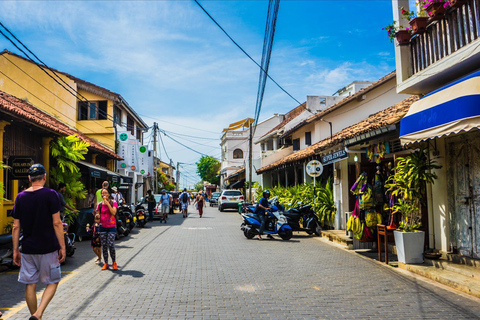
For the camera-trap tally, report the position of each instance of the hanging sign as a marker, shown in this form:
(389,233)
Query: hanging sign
(20,166)
(334,157)
(314,168)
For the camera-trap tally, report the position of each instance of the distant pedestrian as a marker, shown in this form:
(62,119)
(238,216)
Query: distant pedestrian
(117,195)
(37,213)
(165,205)
(151,202)
(184,199)
(108,228)
(62,187)
(98,195)
(94,232)
(90,198)
(200,201)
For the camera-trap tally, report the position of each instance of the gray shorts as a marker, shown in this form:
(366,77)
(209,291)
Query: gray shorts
(165,208)
(43,267)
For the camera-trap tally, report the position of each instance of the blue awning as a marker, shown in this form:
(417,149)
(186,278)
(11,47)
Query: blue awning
(450,109)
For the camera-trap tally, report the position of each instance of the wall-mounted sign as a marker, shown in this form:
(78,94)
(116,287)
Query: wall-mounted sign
(334,157)
(20,166)
(314,168)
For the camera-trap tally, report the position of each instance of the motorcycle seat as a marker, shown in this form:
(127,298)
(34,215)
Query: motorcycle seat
(5,238)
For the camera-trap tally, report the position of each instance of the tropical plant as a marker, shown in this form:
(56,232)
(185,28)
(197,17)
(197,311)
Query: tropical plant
(66,151)
(207,169)
(322,204)
(8,227)
(163,179)
(408,185)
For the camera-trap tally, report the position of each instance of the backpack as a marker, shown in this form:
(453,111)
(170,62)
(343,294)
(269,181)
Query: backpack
(185,197)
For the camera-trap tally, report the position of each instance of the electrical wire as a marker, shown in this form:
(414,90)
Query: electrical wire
(234,42)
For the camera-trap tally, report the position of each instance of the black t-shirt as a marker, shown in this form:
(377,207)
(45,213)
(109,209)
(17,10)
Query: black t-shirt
(34,209)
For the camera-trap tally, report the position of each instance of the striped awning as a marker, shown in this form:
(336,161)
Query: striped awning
(450,109)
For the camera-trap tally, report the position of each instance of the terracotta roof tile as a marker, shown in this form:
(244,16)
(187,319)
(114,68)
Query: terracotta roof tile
(378,120)
(235,172)
(32,114)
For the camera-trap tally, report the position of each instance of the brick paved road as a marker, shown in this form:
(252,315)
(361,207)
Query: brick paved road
(206,269)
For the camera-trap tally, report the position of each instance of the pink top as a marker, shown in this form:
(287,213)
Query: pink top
(106,218)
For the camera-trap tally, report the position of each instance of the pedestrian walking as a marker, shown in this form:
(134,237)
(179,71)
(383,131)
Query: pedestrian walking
(62,187)
(37,213)
(200,201)
(184,202)
(151,202)
(117,195)
(165,205)
(98,195)
(94,232)
(108,228)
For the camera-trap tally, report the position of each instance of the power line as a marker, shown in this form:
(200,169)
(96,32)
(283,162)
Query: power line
(74,93)
(245,51)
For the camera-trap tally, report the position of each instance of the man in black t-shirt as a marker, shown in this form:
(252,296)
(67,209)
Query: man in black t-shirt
(37,213)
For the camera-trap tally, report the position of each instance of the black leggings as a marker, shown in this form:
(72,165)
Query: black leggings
(108,244)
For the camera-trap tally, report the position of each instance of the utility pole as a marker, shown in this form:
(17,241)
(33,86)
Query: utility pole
(177,176)
(250,163)
(155,180)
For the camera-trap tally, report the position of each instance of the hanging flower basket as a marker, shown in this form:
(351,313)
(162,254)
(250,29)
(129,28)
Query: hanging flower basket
(419,25)
(436,10)
(403,37)
(457,3)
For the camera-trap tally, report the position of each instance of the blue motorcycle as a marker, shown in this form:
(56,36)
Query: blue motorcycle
(275,223)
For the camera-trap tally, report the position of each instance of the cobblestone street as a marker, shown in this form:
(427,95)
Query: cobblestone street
(206,269)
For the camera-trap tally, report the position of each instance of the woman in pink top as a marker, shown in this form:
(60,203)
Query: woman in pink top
(108,228)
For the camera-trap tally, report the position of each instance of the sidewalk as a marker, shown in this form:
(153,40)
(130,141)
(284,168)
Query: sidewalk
(458,272)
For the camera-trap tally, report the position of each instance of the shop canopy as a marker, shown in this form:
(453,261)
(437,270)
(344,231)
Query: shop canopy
(450,109)
(238,185)
(100,172)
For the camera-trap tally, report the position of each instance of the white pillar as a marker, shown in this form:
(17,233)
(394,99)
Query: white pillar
(275,143)
(402,53)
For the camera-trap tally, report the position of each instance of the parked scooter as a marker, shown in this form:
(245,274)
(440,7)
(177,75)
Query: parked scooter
(140,216)
(129,216)
(275,223)
(69,237)
(6,250)
(122,217)
(303,218)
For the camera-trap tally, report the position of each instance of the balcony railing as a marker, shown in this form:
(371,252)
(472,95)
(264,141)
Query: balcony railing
(457,29)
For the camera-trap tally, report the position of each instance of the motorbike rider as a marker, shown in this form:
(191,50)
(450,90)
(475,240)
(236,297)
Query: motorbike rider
(262,206)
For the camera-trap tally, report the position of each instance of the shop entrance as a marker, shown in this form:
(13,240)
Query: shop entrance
(464,177)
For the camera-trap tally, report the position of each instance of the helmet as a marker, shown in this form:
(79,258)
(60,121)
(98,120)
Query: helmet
(266,194)
(36,170)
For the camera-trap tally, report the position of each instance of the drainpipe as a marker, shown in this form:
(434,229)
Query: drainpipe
(331,130)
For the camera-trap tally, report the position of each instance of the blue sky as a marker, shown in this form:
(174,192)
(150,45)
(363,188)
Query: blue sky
(174,65)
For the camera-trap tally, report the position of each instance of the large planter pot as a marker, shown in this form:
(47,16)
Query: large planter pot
(419,24)
(403,37)
(409,246)
(436,11)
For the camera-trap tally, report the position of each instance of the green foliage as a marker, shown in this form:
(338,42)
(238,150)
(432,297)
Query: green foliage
(408,184)
(66,151)
(207,169)
(199,186)
(289,197)
(8,227)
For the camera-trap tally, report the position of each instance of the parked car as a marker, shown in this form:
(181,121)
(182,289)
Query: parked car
(214,198)
(229,199)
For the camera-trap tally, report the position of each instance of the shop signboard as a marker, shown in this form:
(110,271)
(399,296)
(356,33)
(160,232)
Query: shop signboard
(145,161)
(334,157)
(128,150)
(20,166)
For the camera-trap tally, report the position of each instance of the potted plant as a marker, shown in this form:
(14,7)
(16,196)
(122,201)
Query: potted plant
(396,32)
(407,185)
(435,8)
(418,21)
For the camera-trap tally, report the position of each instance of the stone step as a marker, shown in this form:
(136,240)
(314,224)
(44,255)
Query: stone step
(463,260)
(466,270)
(454,279)
(338,236)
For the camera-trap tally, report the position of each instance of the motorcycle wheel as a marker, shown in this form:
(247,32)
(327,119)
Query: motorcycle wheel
(318,229)
(248,234)
(285,234)
(141,224)
(126,233)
